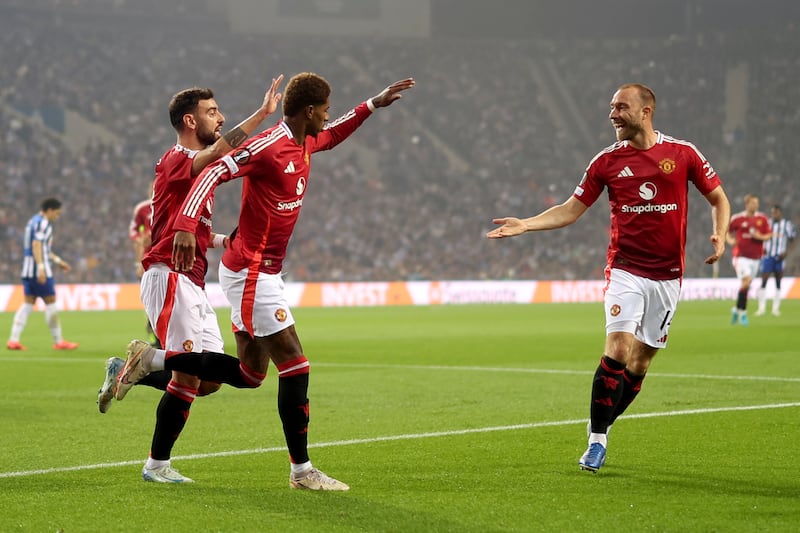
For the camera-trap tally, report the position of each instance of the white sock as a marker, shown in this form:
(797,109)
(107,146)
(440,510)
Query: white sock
(152,464)
(776,302)
(602,438)
(301,468)
(20,319)
(158,360)
(51,316)
(762,299)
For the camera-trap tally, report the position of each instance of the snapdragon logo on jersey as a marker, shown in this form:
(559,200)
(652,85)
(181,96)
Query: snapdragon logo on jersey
(648,192)
(291,206)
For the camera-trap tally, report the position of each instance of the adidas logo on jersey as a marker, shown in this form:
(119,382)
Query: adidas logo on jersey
(289,168)
(625,172)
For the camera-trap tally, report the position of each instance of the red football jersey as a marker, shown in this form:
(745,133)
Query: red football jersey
(141,223)
(275,170)
(742,226)
(648,196)
(172,184)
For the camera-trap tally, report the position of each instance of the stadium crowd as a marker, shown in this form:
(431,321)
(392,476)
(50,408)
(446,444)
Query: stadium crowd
(493,128)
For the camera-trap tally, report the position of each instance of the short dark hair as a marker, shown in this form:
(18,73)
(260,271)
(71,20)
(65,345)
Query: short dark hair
(51,203)
(186,101)
(304,89)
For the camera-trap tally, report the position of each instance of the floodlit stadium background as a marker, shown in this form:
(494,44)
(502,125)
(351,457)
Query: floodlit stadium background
(511,104)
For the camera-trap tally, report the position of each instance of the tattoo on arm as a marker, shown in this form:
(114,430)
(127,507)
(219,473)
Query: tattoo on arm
(235,137)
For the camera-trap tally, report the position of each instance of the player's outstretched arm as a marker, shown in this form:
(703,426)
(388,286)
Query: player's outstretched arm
(720,218)
(557,216)
(392,93)
(241,132)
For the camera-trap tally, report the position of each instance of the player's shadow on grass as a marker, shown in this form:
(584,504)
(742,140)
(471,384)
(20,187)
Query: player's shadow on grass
(704,483)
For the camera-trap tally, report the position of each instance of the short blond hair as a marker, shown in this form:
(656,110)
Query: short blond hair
(646,94)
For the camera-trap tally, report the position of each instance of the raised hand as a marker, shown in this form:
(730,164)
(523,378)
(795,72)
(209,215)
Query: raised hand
(387,96)
(272,96)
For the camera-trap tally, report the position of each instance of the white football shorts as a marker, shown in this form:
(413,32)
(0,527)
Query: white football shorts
(180,312)
(641,306)
(257,302)
(746,267)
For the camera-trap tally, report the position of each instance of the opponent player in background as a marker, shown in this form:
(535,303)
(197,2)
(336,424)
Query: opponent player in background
(776,249)
(747,233)
(646,174)
(275,166)
(37,276)
(175,301)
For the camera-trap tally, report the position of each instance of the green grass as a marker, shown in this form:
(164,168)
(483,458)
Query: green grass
(445,418)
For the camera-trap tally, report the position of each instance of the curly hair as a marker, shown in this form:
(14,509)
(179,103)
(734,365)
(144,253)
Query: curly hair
(304,89)
(186,101)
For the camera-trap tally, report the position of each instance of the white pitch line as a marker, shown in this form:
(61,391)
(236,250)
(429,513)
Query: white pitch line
(452,368)
(408,436)
(551,371)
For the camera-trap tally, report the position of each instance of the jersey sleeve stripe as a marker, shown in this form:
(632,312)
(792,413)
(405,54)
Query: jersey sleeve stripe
(195,201)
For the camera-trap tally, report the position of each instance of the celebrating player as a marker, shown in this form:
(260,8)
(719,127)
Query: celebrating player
(275,166)
(175,299)
(646,174)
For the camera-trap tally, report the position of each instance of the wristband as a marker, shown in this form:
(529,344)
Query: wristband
(218,241)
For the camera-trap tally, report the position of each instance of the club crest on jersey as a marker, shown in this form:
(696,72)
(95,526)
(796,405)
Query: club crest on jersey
(188,345)
(301,186)
(280,315)
(667,165)
(241,156)
(615,309)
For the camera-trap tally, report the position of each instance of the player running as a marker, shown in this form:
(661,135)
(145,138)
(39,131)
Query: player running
(646,174)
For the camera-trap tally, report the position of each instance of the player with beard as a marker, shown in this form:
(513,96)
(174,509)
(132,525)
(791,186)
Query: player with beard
(174,298)
(646,174)
(275,166)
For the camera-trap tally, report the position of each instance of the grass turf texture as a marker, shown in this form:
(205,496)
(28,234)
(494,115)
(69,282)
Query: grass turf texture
(446,418)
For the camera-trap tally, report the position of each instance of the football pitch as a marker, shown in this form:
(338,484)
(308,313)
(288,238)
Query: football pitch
(442,418)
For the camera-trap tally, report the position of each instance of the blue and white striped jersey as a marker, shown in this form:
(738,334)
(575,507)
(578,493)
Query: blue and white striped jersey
(783,233)
(37,229)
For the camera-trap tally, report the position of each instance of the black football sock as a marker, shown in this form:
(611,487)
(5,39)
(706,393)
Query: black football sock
(606,392)
(741,300)
(293,410)
(171,416)
(158,379)
(632,384)
(216,367)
